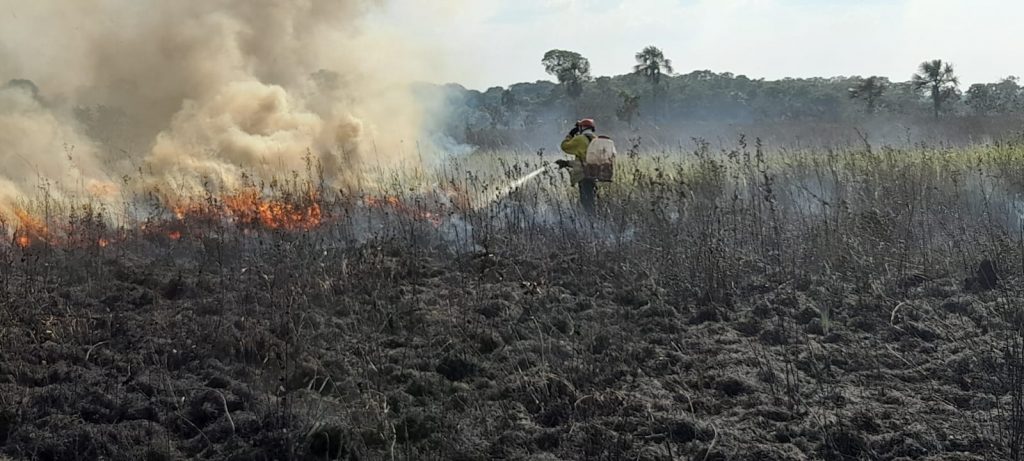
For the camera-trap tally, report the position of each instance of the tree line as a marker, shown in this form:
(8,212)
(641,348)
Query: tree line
(652,93)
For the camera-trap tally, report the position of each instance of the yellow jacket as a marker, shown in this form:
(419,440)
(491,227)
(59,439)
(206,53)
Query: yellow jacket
(576,146)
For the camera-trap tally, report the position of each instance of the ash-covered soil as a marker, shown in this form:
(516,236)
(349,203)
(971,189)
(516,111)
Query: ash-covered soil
(287,349)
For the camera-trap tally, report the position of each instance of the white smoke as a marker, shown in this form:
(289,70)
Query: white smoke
(39,147)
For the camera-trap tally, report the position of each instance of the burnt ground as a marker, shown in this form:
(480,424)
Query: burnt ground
(290,350)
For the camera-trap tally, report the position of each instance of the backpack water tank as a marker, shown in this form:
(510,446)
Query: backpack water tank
(600,159)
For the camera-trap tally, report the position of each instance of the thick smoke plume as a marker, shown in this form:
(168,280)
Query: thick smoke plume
(192,95)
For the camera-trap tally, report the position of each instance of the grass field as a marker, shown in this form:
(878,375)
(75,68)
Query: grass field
(740,304)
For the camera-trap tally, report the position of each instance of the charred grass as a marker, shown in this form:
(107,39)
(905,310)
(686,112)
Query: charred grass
(856,303)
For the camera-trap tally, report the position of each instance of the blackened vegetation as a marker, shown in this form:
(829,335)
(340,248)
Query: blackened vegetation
(985,278)
(307,365)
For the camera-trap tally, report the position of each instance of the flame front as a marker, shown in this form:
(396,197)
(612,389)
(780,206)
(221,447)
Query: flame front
(250,208)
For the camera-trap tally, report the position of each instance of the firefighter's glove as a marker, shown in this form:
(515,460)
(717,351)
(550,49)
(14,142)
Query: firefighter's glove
(574,131)
(563,163)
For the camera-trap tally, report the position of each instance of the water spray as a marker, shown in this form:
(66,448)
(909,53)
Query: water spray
(491,197)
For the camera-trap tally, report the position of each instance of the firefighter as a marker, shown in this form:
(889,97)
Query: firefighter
(576,144)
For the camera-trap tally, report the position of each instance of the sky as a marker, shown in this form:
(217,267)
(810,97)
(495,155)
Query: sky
(484,43)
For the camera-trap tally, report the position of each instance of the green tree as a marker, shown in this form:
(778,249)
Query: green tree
(981,99)
(1009,95)
(508,100)
(938,81)
(869,90)
(629,108)
(1005,97)
(570,68)
(496,114)
(510,106)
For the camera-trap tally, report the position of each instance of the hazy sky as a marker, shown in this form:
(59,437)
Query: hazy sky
(482,43)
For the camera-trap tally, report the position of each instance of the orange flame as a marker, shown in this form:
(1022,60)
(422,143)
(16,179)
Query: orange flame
(404,209)
(248,207)
(30,229)
(379,202)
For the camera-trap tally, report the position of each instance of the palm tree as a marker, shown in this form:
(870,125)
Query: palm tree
(870,90)
(938,80)
(652,64)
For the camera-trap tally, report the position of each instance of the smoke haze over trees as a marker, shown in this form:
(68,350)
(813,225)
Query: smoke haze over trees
(657,105)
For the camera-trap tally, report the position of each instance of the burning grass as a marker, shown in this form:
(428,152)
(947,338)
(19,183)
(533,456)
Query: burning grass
(30,228)
(249,208)
(246,210)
